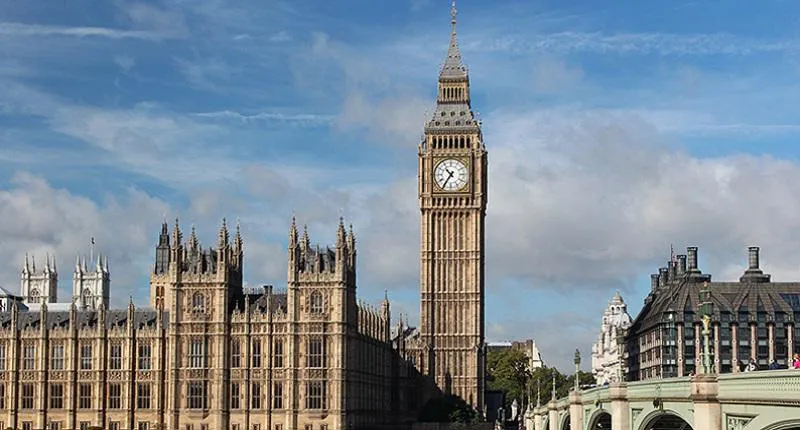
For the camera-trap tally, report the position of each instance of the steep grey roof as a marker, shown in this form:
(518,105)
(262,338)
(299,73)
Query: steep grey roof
(452,116)
(276,301)
(56,319)
(6,293)
(453,68)
(683,297)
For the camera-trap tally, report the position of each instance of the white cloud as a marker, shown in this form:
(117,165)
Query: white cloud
(39,218)
(301,119)
(553,75)
(281,36)
(166,22)
(29,30)
(125,62)
(631,43)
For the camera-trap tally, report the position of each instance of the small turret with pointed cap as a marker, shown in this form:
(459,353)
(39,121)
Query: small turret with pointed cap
(305,241)
(163,238)
(341,235)
(26,267)
(223,236)
(194,244)
(177,236)
(293,233)
(238,243)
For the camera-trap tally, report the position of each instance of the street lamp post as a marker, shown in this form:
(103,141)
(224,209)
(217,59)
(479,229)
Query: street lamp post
(577,369)
(706,308)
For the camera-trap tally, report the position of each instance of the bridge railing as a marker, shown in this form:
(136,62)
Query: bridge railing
(768,386)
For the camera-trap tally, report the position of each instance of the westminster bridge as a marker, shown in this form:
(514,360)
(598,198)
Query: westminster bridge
(761,400)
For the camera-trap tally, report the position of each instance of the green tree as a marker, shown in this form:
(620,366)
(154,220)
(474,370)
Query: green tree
(507,371)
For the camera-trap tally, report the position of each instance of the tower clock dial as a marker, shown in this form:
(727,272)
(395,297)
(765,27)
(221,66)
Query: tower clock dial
(451,175)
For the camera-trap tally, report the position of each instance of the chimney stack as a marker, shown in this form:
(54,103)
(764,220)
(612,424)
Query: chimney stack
(692,259)
(663,276)
(753,258)
(753,272)
(681,265)
(653,282)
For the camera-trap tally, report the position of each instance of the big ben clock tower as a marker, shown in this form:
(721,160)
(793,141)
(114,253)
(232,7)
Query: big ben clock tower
(452,197)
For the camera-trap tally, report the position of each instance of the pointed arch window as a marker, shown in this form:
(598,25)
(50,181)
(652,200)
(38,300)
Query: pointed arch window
(86,297)
(236,354)
(198,302)
(34,295)
(316,305)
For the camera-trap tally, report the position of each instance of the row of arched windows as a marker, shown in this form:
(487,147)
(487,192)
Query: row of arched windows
(451,142)
(451,94)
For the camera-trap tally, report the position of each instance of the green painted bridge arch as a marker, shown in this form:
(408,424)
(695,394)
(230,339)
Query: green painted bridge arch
(765,400)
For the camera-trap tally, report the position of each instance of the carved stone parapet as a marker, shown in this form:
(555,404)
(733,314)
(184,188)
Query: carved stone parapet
(115,375)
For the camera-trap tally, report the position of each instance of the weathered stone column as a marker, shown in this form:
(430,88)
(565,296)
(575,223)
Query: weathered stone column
(538,416)
(553,419)
(707,410)
(620,412)
(575,410)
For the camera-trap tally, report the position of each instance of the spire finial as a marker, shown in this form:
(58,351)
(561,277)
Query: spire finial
(453,14)
(452,67)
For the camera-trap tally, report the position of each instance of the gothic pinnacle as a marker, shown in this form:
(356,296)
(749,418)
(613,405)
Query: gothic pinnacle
(177,237)
(223,237)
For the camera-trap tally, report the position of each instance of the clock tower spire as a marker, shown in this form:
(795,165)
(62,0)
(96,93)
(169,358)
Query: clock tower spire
(452,197)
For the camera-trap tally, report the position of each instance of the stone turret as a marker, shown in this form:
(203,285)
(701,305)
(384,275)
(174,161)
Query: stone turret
(39,286)
(605,352)
(91,288)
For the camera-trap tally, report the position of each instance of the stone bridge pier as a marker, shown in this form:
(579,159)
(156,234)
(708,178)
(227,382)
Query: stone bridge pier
(765,400)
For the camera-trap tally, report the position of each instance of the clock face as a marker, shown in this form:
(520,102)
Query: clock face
(451,175)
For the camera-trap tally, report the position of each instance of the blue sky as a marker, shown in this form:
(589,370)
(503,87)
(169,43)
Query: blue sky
(614,130)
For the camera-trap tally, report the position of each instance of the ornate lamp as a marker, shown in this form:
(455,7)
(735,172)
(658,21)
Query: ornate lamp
(706,310)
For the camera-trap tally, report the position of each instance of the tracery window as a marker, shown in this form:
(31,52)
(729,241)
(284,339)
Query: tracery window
(114,396)
(145,354)
(56,396)
(115,357)
(86,357)
(196,395)
(236,354)
(28,357)
(57,357)
(315,355)
(255,395)
(315,395)
(316,303)
(197,353)
(277,353)
(255,354)
(198,302)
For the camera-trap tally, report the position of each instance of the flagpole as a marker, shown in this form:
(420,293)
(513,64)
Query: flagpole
(91,251)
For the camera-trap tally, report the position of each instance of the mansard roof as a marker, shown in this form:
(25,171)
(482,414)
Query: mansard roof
(83,319)
(683,297)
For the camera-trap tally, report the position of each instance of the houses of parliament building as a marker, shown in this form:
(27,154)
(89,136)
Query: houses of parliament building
(209,354)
